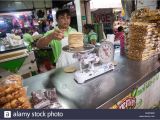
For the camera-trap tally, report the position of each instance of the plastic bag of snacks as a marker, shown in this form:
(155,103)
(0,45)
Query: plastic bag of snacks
(46,99)
(13,94)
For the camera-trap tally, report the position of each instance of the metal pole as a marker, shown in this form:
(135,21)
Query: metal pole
(85,7)
(78,13)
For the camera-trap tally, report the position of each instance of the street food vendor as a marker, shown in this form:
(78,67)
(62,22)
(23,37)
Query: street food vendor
(28,39)
(58,37)
(90,35)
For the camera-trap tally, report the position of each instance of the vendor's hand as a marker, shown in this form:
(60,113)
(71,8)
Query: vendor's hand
(58,34)
(93,42)
(63,30)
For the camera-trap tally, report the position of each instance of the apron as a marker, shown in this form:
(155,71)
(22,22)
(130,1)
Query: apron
(65,58)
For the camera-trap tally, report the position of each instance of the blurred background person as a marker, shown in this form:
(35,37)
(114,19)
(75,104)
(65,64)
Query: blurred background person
(90,35)
(119,38)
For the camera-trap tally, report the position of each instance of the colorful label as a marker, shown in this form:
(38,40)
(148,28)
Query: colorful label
(138,99)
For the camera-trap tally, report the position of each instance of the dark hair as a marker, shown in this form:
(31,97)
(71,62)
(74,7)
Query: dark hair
(61,12)
(25,30)
(88,27)
(35,29)
(120,29)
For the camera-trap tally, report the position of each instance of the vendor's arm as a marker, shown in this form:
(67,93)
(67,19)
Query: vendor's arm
(93,39)
(54,35)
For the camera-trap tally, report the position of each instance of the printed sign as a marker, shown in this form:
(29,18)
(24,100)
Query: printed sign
(129,102)
(83,17)
(104,16)
(138,99)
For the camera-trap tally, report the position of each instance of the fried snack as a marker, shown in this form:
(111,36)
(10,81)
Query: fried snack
(7,106)
(25,105)
(19,103)
(15,103)
(6,99)
(145,14)
(22,99)
(10,84)
(14,79)
(8,89)
(143,36)
(12,94)
(16,94)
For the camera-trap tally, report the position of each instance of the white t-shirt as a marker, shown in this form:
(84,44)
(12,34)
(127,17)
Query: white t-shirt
(35,33)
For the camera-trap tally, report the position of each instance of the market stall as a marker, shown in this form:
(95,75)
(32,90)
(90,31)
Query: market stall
(125,87)
(106,91)
(101,92)
(101,78)
(18,61)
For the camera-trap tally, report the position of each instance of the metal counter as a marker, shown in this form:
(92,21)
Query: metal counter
(100,92)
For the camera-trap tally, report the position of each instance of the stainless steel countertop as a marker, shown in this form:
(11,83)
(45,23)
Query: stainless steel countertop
(100,92)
